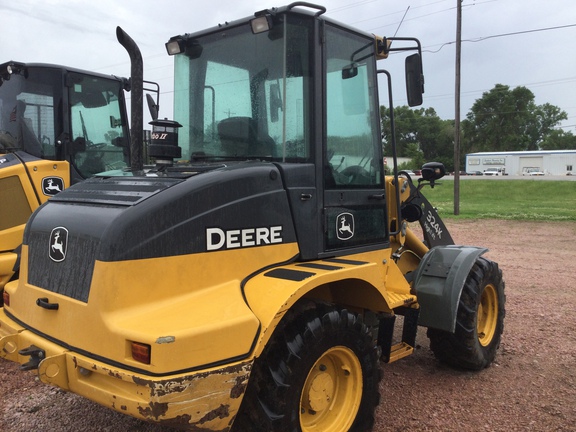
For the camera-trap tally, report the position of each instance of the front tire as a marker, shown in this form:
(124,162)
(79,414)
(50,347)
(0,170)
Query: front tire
(479,321)
(319,372)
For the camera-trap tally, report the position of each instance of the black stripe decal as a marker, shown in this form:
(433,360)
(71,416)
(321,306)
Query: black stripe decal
(288,274)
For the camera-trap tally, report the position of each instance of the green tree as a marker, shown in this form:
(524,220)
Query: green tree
(405,136)
(420,135)
(509,120)
(558,139)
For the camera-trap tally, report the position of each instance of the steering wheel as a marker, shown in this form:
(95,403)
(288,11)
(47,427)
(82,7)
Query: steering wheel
(355,172)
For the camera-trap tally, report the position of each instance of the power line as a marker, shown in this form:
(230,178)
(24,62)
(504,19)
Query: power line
(521,32)
(480,39)
(419,16)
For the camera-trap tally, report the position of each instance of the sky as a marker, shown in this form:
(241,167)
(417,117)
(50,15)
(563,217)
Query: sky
(530,43)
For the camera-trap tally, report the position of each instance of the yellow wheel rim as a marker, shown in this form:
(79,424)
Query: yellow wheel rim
(332,392)
(487,315)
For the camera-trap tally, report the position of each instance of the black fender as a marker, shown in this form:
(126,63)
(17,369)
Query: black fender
(438,282)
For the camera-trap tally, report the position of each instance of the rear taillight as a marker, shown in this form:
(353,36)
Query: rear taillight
(6,298)
(141,352)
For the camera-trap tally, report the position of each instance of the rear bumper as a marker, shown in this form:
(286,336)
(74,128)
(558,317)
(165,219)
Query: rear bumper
(201,400)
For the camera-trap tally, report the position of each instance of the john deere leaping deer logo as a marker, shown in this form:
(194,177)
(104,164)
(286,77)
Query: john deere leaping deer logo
(58,244)
(52,185)
(345,226)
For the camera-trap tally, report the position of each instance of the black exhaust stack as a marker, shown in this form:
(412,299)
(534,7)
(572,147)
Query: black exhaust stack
(137,100)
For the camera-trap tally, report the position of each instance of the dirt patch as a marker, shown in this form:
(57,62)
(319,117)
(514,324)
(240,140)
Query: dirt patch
(530,387)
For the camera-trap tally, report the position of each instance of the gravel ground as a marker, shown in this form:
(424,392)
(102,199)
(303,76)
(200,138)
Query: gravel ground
(530,387)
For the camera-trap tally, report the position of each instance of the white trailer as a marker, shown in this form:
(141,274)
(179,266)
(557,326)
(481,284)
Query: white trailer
(550,162)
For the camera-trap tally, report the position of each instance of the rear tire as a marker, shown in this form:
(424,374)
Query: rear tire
(479,321)
(319,372)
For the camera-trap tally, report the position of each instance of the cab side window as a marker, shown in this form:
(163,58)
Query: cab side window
(352,145)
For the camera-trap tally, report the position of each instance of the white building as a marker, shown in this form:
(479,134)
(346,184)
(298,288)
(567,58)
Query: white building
(551,162)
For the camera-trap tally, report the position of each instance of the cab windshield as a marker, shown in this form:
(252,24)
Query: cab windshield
(241,95)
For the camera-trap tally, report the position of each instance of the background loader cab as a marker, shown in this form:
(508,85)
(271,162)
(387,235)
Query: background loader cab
(64,114)
(58,126)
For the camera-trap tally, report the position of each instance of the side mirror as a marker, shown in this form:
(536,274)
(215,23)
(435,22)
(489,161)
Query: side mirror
(433,171)
(414,80)
(152,106)
(350,71)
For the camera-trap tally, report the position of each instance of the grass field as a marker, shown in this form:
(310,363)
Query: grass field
(506,199)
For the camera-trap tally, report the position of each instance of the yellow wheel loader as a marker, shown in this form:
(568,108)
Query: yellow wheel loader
(59,126)
(251,280)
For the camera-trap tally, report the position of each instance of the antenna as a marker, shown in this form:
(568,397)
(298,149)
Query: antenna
(401,21)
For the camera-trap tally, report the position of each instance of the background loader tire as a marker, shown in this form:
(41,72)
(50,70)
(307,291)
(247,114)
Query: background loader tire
(479,321)
(319,372)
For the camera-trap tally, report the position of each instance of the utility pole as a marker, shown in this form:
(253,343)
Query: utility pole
(457,109)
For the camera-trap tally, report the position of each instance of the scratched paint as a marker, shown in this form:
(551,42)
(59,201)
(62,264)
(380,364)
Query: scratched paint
(166,339)
(207,401)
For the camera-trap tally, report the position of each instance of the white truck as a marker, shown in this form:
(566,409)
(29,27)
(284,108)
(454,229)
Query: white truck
(532,171)
(494,171)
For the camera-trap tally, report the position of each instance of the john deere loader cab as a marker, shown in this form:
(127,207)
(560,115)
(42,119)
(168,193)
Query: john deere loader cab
(58,126)
(271,92)
(254,284)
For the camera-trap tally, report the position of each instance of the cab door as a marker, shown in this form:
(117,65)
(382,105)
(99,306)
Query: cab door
(354,205)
